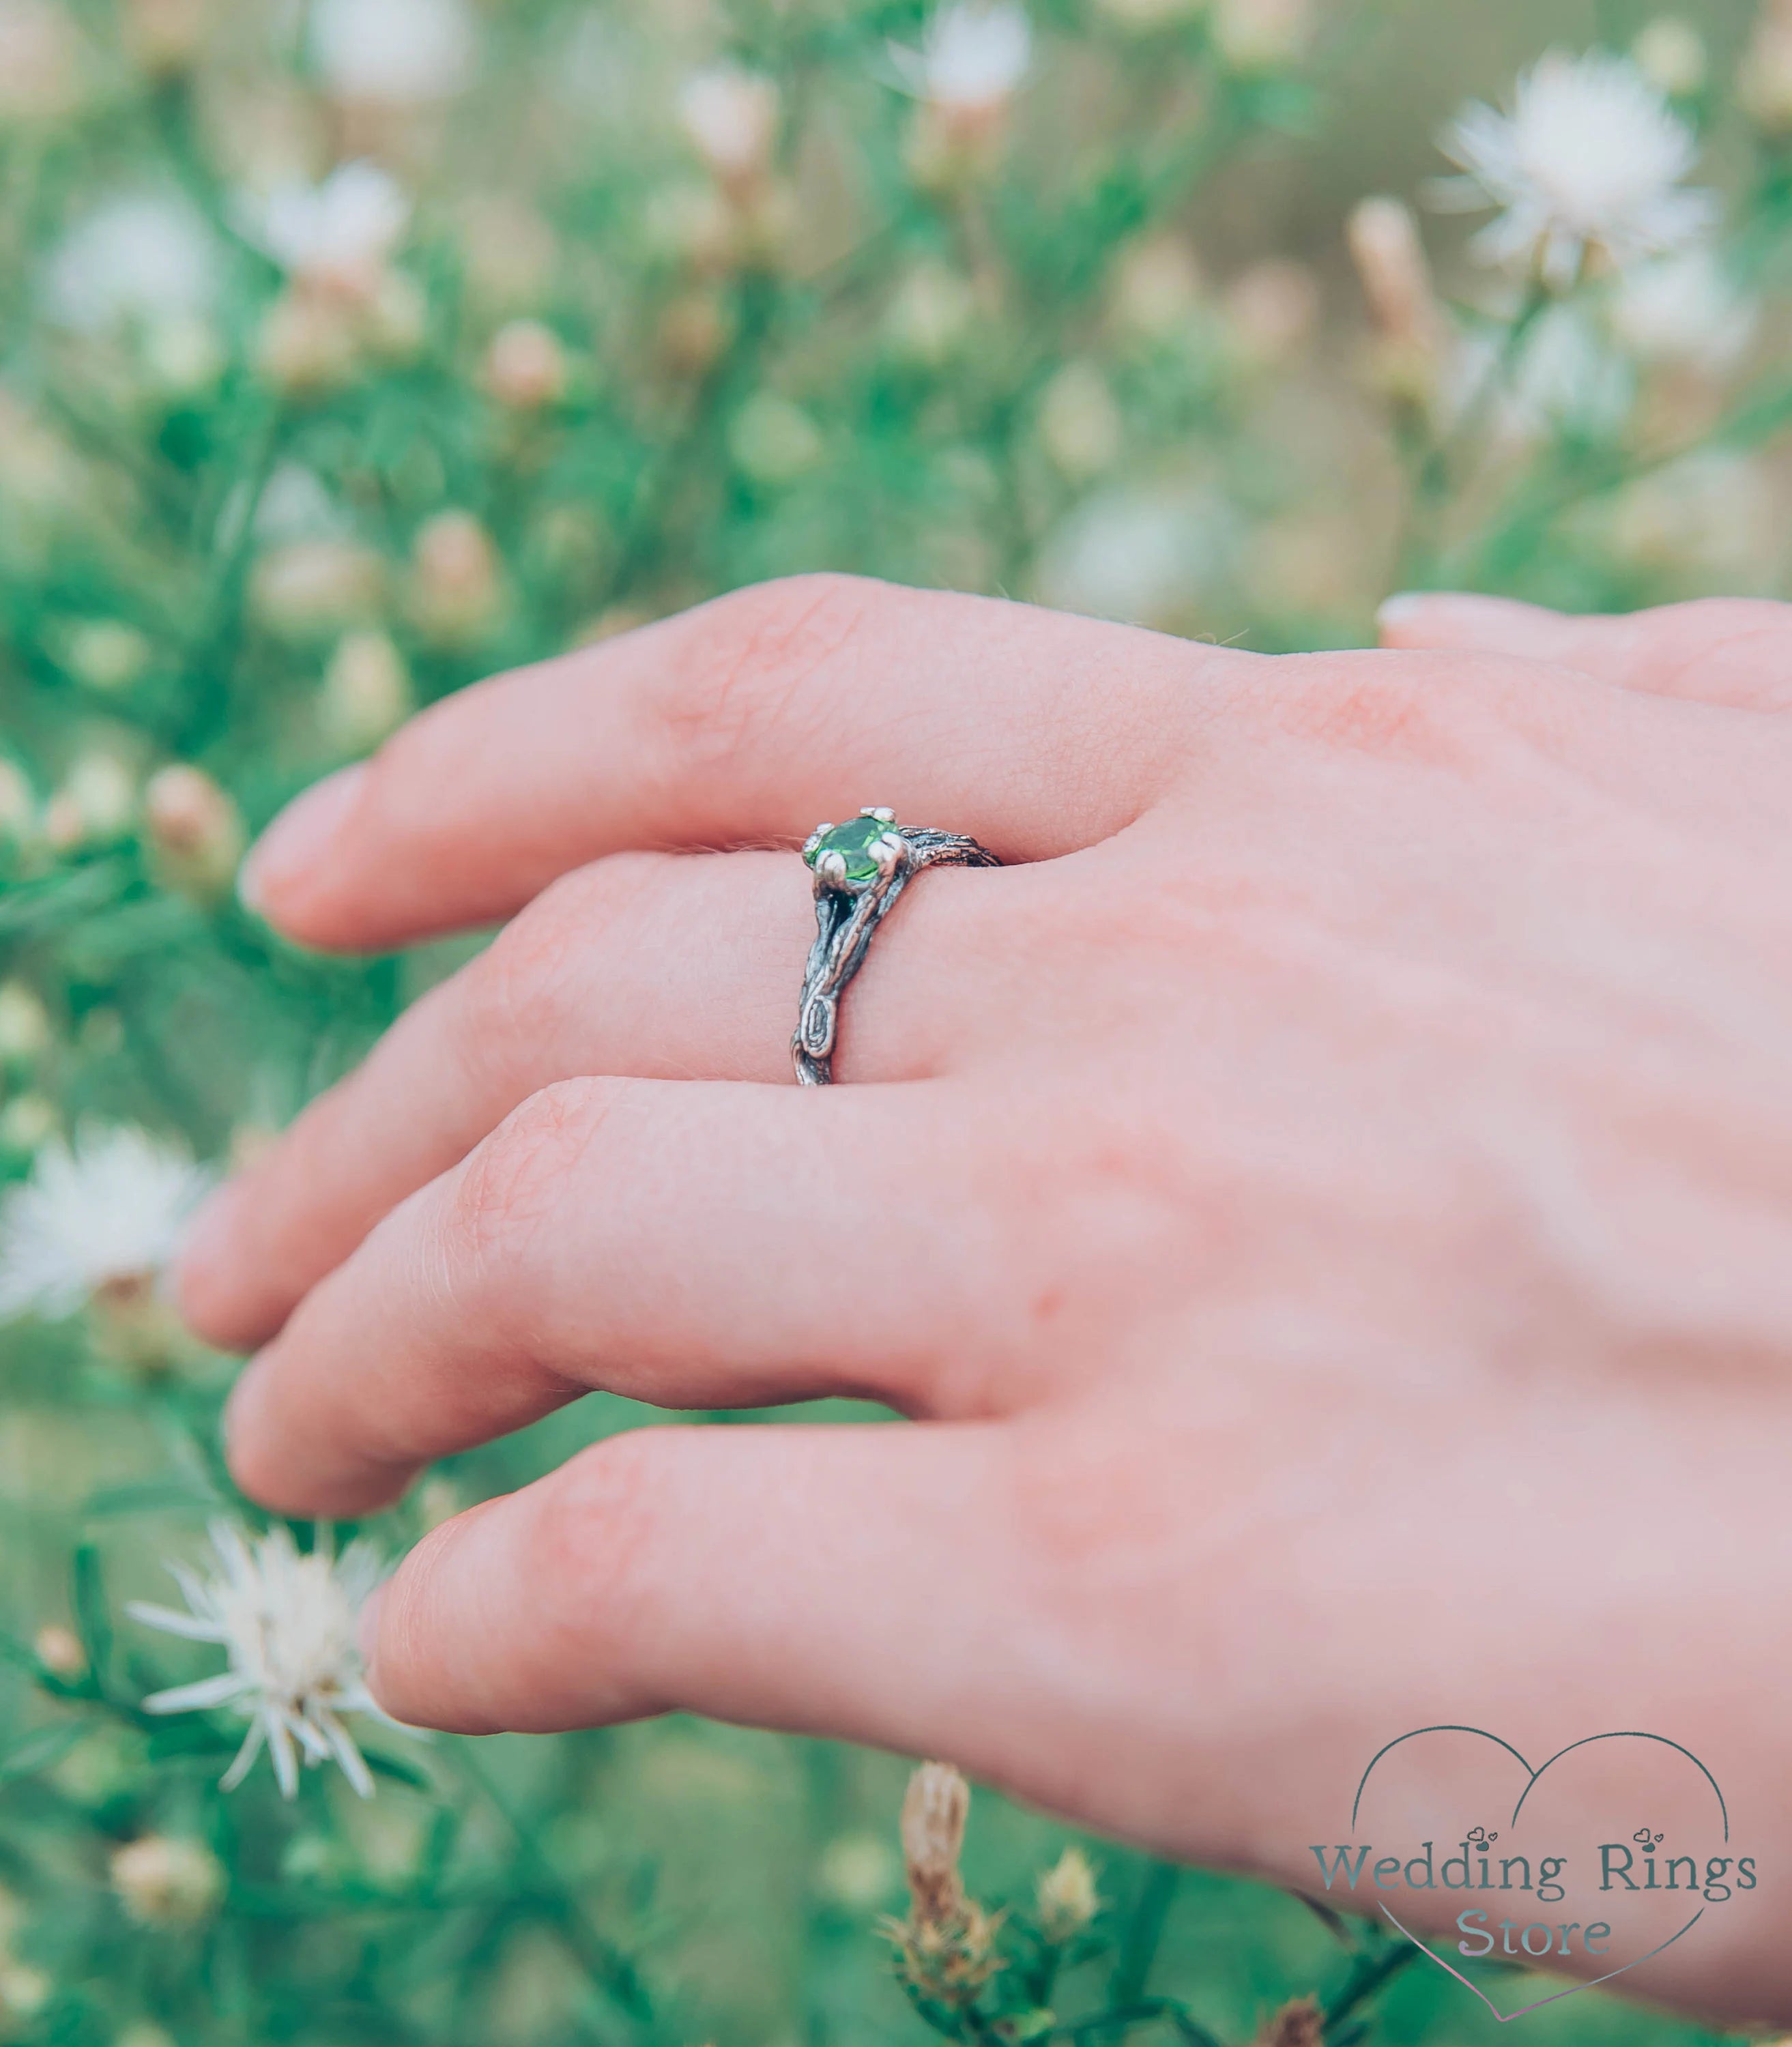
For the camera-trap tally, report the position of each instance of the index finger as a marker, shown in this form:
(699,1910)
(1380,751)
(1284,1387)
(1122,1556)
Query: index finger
(747,720)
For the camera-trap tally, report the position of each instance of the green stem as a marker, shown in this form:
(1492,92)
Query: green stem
(1144,1930)
(599,1957)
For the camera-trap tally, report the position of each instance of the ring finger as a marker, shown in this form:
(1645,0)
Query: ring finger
(659,966)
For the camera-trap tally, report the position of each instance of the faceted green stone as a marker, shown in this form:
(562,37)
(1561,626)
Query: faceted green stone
(853,841)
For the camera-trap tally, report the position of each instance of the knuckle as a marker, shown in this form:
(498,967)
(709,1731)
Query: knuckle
(598,1521)
(1428,710)
(753,659)
(530,987)
(511,1185)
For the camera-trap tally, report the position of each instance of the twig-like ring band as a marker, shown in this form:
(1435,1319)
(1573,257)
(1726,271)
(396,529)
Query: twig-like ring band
(860,868)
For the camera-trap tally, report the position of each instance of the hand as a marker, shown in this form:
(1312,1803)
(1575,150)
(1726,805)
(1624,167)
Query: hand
(1327,1203)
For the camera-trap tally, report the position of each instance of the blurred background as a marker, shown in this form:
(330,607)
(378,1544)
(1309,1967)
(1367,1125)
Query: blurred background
(351,350)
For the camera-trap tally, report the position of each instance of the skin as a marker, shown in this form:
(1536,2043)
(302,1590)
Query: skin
(1325,1207)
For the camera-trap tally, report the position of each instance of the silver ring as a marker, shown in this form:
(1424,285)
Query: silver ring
(860,869)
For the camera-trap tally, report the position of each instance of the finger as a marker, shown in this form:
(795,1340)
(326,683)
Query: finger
(1727,651)
(749,719)
(691,1244)
(650,965)
(822,1580)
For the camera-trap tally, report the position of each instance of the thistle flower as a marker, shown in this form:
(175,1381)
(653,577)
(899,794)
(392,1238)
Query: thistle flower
(338,235)
(287,1623)
(946,1948)
(99,1218)
(1588,164)
(972,57)
(1301,2024)
(1067,1898)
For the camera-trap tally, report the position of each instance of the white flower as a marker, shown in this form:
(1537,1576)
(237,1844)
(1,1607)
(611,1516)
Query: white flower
(140,259)
(403,52)
(971,58)
(731,118)
(341,232)
(1684,308)
(1589,161)
(106,1212)
(1142,555)
(288,1622)
(1565,377)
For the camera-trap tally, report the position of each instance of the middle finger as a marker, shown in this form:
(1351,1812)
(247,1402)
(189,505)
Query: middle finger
(653,966)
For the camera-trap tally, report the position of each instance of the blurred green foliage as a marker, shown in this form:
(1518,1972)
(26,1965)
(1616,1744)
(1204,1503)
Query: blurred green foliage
(1095,343)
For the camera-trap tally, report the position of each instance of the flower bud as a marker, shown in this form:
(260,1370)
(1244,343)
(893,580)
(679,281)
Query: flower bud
(931,313)
(1156,286)
(1396,279)
(730,116)
(195,831)
(934,1810)
(772,440)
(24,1990)
(1068,1899)
(1671,54)
(40,61)
(1301,2024)
(1262,35)
(857,1872)
(1272,307)
(310,342)
(104,653)
(313,589)
(25,1024)
(456,589)
(27,1121)
(1764,83)
(525,366)
(165,36)
(693,330)
(1079,423)
(366,692)
(59,1650)
(96,804)
(167,1880)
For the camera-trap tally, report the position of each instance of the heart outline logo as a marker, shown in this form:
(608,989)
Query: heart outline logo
(1533,1777)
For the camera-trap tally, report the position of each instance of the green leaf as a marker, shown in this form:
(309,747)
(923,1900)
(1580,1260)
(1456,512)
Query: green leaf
(93,1620)
(39,1750)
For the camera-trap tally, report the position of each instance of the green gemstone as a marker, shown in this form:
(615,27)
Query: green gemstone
(853,841)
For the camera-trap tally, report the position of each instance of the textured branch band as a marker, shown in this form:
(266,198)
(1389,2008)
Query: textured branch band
(860,868)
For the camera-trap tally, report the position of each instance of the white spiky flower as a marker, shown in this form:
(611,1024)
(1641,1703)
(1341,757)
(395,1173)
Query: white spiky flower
(341,232)
(139,259)
(288,1622)
(101,1215)
(398,52)
(972,56)
(1589,162)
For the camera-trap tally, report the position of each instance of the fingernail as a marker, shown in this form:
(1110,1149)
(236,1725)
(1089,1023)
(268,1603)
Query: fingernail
(1400,610)
(299,838)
